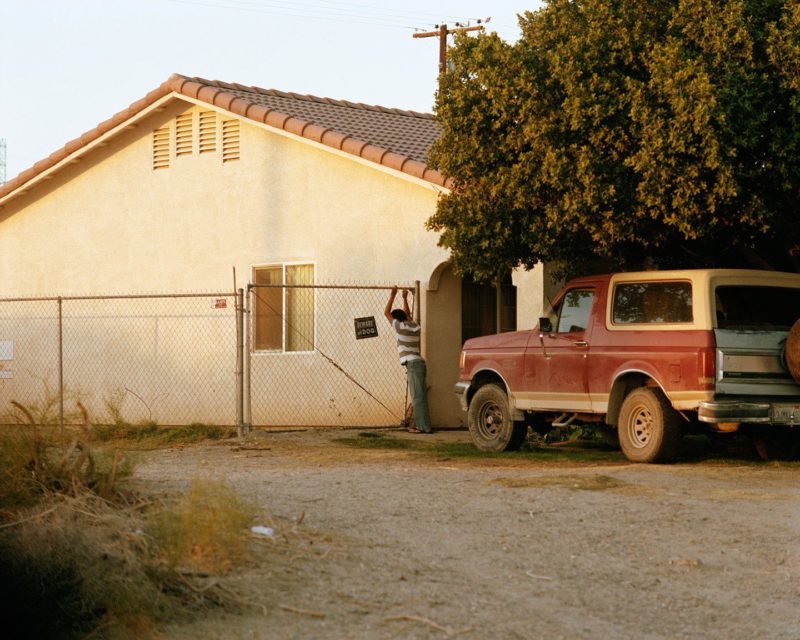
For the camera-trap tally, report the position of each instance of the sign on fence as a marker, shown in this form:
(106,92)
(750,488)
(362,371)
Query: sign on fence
(366,328)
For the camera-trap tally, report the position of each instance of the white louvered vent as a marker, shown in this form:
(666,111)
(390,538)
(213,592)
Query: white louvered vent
(208,132)
(183,134)
(230,140)
(161,148)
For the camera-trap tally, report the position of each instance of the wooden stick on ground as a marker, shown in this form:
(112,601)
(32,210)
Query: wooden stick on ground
(430,623)
(302,612)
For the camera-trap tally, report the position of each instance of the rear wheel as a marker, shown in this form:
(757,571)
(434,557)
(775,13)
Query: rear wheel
(649,428)
(490,423)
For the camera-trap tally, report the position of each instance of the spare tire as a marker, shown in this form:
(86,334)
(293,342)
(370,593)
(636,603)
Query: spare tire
(792,351)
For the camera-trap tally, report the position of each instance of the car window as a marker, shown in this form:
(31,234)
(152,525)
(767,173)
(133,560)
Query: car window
(747,307)
(652,302)
(573,311)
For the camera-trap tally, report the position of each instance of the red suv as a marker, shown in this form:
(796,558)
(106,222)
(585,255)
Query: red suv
(645,354)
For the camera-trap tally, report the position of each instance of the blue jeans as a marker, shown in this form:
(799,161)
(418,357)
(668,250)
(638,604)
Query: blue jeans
(416,370)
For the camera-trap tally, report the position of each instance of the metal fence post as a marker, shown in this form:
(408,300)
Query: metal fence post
(60,366)
(417,302)
(248,406)
(240,362)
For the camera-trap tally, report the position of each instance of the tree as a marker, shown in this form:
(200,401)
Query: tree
(664,132)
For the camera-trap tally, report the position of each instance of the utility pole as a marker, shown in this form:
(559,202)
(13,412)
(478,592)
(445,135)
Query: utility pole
(2,161)
(442,32)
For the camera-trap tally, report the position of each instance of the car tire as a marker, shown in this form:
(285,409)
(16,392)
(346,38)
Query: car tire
(649,428)
(490,423)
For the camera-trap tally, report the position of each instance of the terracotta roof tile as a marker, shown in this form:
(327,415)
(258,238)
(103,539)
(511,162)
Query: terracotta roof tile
(392,137)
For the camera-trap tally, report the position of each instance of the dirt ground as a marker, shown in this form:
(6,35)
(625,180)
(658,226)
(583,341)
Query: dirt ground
(381,543)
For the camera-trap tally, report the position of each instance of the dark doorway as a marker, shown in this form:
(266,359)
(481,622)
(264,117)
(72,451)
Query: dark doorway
(486,308)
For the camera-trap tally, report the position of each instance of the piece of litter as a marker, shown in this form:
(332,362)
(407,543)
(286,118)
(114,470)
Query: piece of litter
(263,531)
(684,562)
(530,574)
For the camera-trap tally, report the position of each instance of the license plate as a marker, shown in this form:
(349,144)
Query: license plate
(786,413)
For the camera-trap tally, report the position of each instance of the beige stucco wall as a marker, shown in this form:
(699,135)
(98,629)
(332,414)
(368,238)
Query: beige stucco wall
(111,224)
(443,325)
(534,290)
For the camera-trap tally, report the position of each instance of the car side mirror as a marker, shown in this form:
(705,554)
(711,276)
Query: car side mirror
(545,326)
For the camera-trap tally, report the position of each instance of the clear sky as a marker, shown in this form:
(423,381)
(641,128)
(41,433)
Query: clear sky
(67,65)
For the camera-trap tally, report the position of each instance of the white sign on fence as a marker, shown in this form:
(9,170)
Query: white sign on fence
(6,354)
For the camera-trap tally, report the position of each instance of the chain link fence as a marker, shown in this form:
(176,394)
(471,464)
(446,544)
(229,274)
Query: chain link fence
(169,359)
(283,356)
(322,355)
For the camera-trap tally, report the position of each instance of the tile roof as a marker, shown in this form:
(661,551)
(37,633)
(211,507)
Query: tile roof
(391,137)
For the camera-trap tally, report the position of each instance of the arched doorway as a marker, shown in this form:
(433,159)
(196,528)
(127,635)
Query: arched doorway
(455,310)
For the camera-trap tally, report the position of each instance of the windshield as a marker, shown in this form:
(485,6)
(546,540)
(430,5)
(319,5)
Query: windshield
(744,307)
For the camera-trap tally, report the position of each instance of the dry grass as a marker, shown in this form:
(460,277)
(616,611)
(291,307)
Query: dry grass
(206,531)
(83,553)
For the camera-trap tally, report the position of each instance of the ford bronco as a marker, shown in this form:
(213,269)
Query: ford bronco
(647,354)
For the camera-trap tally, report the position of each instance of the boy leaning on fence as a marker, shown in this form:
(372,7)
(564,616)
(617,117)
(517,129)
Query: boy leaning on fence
(408,346)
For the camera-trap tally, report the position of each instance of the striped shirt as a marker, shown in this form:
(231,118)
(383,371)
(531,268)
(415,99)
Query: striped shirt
(408,334)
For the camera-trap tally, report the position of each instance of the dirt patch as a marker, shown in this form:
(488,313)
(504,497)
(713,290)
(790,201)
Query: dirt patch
(576,483)
(417,541)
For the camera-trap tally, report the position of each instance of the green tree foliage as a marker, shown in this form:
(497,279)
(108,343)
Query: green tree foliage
(664,132)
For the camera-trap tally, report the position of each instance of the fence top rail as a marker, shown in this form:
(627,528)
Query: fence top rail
(138,296)
(329,286)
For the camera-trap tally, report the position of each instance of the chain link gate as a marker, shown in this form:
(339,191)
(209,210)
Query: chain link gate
(171,359)
(322,355)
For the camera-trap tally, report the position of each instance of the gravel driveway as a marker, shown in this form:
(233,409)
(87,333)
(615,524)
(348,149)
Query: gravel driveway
(390,543)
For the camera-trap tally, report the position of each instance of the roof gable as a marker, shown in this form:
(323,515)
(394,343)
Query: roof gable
(390,137)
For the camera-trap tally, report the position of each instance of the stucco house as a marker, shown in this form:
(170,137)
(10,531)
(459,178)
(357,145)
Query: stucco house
(199,177)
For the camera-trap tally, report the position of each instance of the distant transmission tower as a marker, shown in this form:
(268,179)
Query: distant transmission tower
(2,160)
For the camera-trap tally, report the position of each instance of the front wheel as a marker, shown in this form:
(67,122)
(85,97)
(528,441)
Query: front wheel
(490,423)
(649,428)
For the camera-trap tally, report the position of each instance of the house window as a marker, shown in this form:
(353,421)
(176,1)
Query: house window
(284,311)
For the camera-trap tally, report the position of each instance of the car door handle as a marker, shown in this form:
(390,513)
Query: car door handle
(581,343)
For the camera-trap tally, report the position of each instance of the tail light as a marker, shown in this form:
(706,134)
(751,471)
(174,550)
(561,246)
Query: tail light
(706,367)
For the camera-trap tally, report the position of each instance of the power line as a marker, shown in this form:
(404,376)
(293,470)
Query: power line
(351,12)
(298,12)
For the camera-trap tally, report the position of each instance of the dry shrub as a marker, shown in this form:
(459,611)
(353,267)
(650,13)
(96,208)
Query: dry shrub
(76,554)
(207,529)
(76,567)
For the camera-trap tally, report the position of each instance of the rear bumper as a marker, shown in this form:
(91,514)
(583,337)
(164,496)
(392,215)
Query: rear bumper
(749,412)
(733,411)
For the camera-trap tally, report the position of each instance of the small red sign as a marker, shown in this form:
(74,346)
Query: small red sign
(220,303)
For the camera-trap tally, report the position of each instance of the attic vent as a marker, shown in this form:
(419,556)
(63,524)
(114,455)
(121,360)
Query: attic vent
(208,132)
(230,140)
(161,148)
(183,135)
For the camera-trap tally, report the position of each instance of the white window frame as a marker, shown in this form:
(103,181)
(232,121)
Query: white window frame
(283,266)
